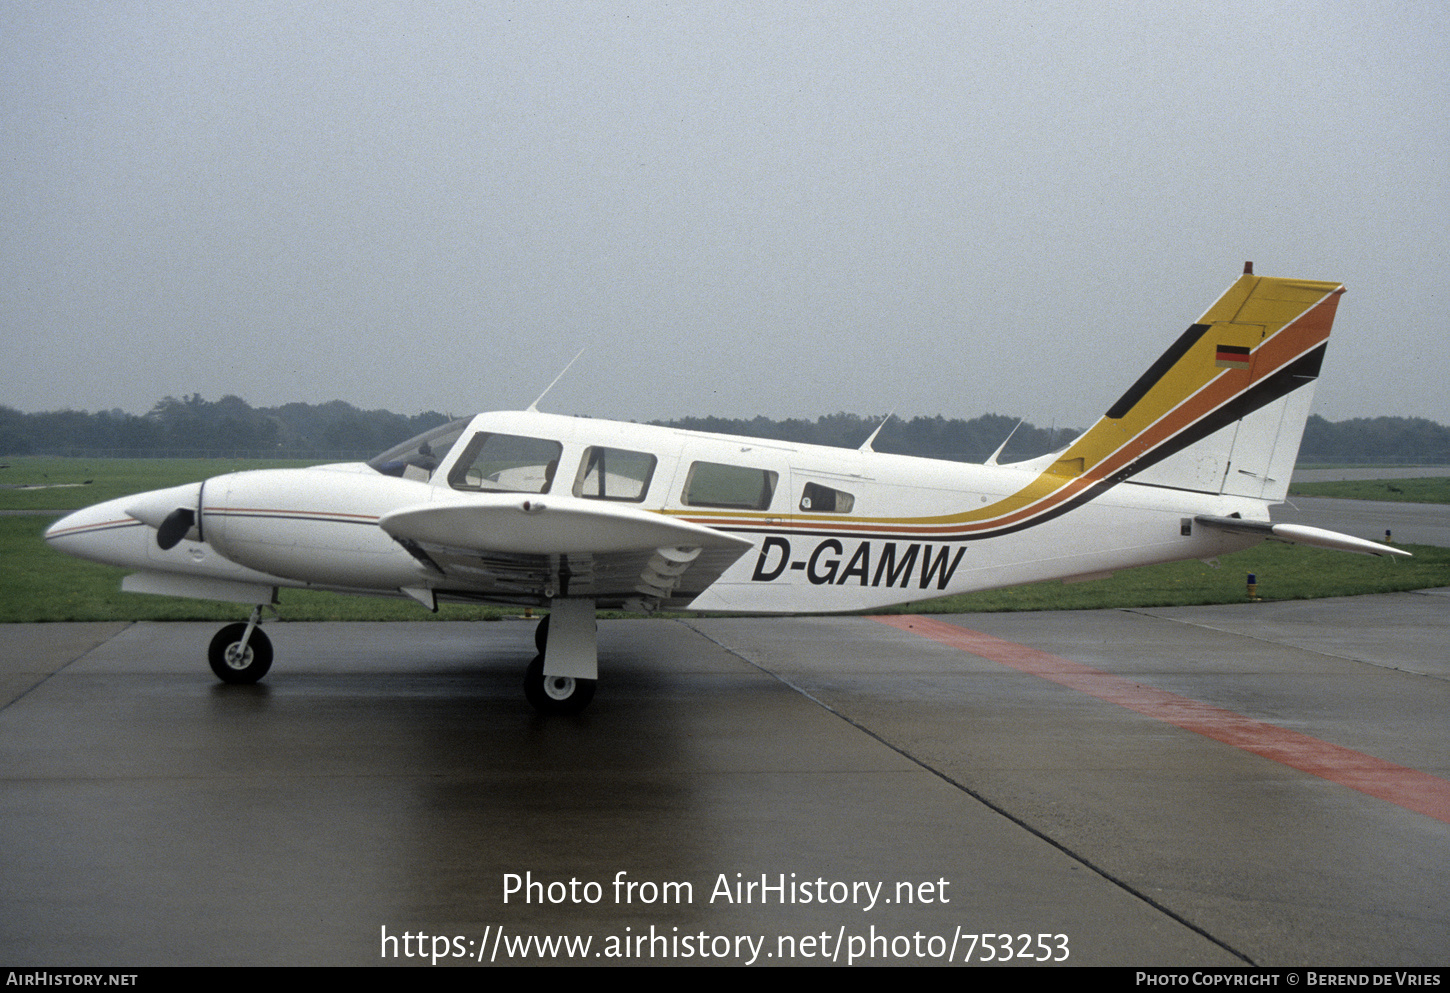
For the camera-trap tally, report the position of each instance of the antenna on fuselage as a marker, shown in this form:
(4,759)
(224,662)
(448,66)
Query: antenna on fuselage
(534,407)
(866,445)
(992,459)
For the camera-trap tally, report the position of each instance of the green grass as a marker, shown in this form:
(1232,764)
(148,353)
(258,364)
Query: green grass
(69,484)
(1432,490)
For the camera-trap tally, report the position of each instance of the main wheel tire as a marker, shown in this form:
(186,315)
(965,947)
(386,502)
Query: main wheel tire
(556,694)
(236,662)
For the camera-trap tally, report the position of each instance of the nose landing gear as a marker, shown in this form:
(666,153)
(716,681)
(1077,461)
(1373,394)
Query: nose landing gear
(241,653)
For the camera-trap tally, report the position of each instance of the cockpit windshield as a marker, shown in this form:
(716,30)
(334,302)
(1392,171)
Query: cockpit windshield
(417,457)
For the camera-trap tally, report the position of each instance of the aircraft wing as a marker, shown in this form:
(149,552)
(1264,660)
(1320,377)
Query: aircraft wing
(518,548)
(1300,534)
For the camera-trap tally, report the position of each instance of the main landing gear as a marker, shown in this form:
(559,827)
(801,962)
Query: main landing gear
(241,653)
(562,677)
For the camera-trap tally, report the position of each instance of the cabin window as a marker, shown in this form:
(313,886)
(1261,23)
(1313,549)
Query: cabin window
(711,484)
(506,463)
(614,474)
(417,457)
(818,499)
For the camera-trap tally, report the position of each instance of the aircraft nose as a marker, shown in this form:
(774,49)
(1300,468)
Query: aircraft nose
(102,533)
(65,525)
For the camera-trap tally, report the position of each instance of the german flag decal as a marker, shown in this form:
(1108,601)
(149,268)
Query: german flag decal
(1231,357)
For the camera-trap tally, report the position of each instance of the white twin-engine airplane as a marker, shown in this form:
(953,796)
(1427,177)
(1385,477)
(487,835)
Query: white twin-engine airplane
(574,514)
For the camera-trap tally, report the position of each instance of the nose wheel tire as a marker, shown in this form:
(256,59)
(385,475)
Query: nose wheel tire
(235,661)
(556,694)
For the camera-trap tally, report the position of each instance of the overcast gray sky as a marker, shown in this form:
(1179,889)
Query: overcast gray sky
(737,209)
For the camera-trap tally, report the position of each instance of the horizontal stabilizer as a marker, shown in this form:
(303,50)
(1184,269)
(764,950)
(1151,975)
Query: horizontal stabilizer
(1300,534)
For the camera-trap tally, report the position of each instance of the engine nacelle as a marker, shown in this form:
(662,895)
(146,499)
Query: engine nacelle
(319,525)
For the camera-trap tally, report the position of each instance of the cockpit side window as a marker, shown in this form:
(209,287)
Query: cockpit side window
(417,457)
(614,474)
(506,463)
(711,484)
(818,499)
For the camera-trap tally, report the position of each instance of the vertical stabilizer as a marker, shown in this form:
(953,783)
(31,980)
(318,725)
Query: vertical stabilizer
(1223,410)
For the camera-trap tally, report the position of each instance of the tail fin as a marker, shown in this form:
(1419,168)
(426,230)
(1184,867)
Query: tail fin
(1223,410)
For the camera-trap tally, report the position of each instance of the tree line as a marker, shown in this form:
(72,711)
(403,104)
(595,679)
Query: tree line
(196,427)
(193,426)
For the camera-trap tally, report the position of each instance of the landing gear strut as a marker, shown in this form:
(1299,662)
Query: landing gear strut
(562,677)
(241,653)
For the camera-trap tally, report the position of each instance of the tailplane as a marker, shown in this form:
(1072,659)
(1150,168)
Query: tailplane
(1223,410)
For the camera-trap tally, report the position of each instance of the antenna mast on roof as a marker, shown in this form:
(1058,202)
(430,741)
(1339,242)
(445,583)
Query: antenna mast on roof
(534,407)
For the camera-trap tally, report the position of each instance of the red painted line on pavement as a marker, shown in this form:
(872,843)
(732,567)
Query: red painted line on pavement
(1409,788)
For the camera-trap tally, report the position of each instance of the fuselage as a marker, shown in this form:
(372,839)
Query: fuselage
(828,529)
